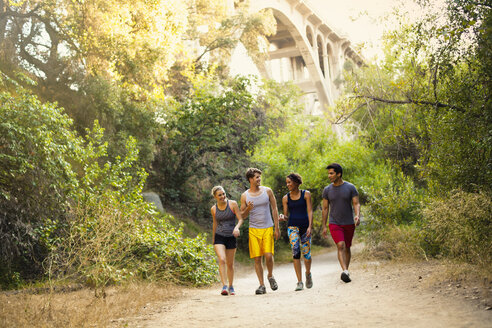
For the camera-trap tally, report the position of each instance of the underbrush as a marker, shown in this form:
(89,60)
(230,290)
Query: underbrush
(80,308)
(456,229)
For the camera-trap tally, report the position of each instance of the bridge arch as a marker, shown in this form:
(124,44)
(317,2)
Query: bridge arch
(305,44)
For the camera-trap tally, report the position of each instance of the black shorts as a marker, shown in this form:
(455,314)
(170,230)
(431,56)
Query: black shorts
(229,242)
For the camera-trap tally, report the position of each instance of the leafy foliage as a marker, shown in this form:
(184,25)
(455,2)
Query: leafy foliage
(426,107)
(307,148)
(36,177)
(427,104)
(113,235)
(209,137)
(66,208)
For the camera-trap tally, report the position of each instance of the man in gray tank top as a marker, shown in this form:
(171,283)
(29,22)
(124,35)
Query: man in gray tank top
(341,200)
(257,202)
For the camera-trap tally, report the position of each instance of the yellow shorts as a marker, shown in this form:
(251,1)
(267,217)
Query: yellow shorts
(260,241)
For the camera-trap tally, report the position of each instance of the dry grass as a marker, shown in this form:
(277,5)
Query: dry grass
(80,308)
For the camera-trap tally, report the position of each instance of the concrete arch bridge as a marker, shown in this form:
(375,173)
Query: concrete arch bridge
(307,51)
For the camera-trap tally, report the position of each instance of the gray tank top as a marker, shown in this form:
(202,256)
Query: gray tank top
(260,216)
(226,221)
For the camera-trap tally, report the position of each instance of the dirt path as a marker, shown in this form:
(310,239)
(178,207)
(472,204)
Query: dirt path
(374,298)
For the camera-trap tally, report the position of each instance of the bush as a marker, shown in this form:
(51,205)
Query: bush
(460,227)
(395,242)
(37,146)
(114,235)
(67,209)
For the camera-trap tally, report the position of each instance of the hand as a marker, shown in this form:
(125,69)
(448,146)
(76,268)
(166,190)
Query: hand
(277,234)
(357,220)
(308,232)
(325,235)
(281,217)
(236,232)
(250,205)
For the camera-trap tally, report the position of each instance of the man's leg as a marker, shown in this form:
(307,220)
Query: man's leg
(348,255)
(342,255)
(269,263)
(259,270)
(344,259)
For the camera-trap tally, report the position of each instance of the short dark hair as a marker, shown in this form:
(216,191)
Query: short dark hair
(250,173)
(294,177)
(336,167)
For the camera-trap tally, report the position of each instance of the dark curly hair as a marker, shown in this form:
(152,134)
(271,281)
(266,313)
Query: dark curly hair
(294,177)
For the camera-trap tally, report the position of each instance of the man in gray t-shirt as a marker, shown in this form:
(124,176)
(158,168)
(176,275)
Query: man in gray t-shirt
(341,200)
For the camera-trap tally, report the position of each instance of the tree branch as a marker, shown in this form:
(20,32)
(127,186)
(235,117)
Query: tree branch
(410,101)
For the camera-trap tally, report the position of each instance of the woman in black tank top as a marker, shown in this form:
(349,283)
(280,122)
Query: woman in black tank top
(224,232)
(297,207)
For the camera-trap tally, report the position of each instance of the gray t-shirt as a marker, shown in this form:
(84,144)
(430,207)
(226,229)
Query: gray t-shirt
(340,199)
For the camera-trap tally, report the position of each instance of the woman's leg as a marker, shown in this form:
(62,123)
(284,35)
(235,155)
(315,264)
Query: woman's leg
(220,250)
(306,251)
(294,239)
(230,253)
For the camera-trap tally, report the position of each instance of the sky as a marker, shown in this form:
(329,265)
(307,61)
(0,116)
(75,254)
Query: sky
(359,20)
(363,21)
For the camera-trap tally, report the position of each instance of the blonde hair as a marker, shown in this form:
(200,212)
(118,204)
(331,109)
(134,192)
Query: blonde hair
(214,190)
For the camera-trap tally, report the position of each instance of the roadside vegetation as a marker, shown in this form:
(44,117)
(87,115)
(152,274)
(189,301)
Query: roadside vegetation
(107,108)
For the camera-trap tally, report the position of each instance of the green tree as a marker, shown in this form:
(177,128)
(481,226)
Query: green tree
(427,105)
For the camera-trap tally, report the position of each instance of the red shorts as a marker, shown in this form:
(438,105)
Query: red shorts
(342,233)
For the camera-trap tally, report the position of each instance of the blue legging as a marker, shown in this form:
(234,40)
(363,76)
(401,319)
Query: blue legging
(299,242)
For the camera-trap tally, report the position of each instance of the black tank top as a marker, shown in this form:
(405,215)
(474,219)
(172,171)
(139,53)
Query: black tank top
(298,215)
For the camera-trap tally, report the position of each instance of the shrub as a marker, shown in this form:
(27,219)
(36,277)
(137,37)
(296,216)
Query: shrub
(460,227)
(113,235)
(36,177)
(392,241)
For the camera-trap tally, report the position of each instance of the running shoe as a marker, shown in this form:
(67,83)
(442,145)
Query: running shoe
(300,286)
(231,291)
(309,280)
(260,290)
(273,283)
(345,276)
(224,291)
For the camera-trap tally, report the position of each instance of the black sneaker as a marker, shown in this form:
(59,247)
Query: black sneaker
(273,283)
(345,277)
(260,290)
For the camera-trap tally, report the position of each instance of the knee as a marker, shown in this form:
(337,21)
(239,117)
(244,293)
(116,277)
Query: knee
(221,260)
(341,246)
